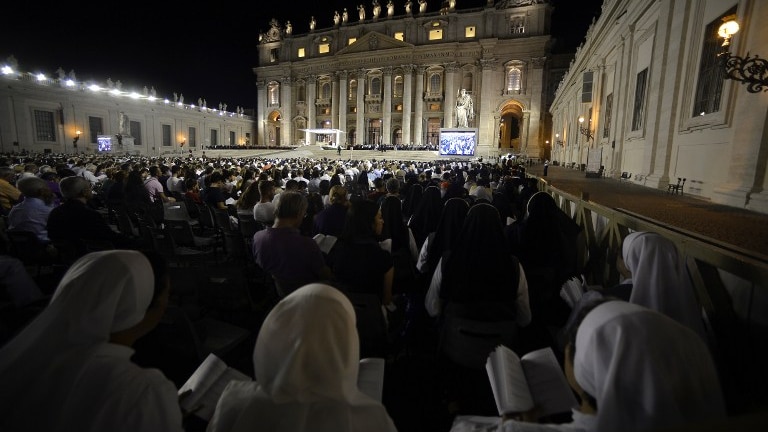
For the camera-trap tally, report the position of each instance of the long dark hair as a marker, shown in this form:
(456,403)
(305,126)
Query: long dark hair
(358,225)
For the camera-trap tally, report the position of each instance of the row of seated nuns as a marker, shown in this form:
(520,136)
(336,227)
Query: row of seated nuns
(634,354)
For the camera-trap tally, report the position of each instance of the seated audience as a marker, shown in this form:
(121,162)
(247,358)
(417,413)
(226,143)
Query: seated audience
(292,259)
(9,194)
(305,372)
(70,368)
(31,214)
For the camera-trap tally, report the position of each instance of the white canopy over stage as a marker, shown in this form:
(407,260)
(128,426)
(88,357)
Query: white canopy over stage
(324,131)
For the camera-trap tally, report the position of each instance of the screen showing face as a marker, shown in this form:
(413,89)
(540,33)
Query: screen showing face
(458,143)
(104,144)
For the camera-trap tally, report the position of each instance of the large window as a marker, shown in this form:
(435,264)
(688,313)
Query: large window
(398,86)
(95,128)
(192,137)
(608,115)
(586,87)
(709,88)
(325,90)
(135,129)
(166,135)
(514,79)
(214,137)
(376,86)
(273,91)
(637,111)
(434,83)
(232,138)
(517,24)
(45,130)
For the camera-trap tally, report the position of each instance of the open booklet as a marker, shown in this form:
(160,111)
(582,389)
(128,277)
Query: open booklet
(202,391)
(533,381)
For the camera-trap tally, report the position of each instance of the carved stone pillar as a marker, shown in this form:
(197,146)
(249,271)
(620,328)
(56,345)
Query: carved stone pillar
(311,107)
(286,105)
(407,98)
(335,104)
(484,121)
(386,127)
(343,86)
(418,117)
(360,117)
(450,95)
(261,112)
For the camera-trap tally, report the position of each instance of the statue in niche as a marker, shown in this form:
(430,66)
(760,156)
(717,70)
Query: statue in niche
(312,24)
(376,9)
(408,6)
(422,6)
(361,12)
(390,9)
(336,18)
(344,16)
(465,110)
(288,28)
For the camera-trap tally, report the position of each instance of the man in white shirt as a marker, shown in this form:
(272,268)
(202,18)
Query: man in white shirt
(264,210)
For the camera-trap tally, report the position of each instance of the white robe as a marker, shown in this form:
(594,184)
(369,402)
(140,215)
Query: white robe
(306,363)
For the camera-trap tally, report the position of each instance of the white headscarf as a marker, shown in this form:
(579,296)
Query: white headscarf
(660,280)
(306,362)
(101,293)
(645,370)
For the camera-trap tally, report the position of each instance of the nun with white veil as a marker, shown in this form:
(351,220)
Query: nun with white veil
(70,368)
(305,363)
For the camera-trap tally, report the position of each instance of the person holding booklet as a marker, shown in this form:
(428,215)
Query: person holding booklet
(634,369)
(70,369)
(306,364)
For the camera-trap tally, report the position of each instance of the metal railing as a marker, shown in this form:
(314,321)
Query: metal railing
(731,285)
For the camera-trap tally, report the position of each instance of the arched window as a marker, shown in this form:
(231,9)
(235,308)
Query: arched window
(273,91)
(352,89)
(302,92)
(434,83)
(514,79)
(376,86)
(398,86)
(326,90)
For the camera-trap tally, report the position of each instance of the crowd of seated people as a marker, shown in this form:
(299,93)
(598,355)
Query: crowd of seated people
(433,242)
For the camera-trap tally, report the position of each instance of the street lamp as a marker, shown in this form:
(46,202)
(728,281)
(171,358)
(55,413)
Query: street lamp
(586,131)
(752,71)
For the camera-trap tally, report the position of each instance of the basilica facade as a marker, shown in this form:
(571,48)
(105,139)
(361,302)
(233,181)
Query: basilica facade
(392,75)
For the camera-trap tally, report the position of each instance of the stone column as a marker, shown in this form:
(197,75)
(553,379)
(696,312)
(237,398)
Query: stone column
(360,117)
(450,95)
(286,104)
(484,115)
(335,103)
(418,138)
(261,112)
(386,127)
(343,87)
(311,107)
(535,84)
(407,97)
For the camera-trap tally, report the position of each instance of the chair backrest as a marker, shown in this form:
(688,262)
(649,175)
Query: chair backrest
(221,217)
(181,232)
(371,324)
(207,221)
(176,210)
(26,246)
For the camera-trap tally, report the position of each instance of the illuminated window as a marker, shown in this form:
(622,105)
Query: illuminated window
(273,55)
(434,107)
(436,34)
(324,48)
(398,86)
(469,31)
(399,107)
(45,127)
(273,91)
(326,90)
(517,25)
(301,52)
(513,79)
(351,41)
(434,83)
(400,36)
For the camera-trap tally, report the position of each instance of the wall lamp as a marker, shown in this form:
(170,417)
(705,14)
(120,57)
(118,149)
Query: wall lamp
(76,138)
(751,71)
(586,131)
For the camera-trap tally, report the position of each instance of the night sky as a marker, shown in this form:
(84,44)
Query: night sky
(201,52)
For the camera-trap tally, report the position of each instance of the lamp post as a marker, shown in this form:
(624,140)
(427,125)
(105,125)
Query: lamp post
(74,141)
(751,71)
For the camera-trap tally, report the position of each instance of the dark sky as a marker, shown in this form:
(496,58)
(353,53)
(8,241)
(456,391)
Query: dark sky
(201,52)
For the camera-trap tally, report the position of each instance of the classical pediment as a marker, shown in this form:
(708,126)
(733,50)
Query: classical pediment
(373,41)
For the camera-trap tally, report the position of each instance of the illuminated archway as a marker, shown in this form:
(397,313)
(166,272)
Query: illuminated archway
(510,127)
(273,129)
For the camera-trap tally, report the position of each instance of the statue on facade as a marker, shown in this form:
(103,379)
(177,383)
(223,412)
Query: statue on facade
(181,99)
(422,6)
(344,16)
(465,110)
(361,12)
(376,9)
(199,102)
(288,28)
(312,23)
(408,6)
(336,18)
(451,5)
(153,92)
(145,91)
(110,83)
(60,73)
(390,9)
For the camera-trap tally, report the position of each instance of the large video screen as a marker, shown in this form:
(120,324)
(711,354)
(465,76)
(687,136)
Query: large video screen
(458,142)
(104,144)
